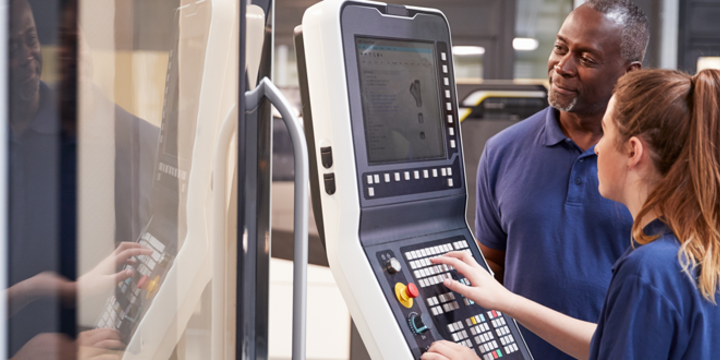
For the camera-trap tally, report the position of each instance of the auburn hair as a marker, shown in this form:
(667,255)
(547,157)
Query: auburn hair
(676,115)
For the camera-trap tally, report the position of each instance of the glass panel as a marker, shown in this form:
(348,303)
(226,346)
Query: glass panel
(154,90)
(116,109)
(39,284)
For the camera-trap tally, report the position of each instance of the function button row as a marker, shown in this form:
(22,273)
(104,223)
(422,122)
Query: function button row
(407,175)
(437,310)
(493,314)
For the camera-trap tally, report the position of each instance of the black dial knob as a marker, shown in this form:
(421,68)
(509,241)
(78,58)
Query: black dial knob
(393,266)
(417,325)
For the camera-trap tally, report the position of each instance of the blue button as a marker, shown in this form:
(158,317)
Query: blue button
(581,160)
(578,181)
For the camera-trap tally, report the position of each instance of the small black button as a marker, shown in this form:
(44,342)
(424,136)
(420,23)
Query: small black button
(326,156)
(329,183)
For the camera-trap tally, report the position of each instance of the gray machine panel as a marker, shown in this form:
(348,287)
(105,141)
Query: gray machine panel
(421,214)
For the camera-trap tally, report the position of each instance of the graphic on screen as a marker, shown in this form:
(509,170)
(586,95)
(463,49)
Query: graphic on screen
(401,108)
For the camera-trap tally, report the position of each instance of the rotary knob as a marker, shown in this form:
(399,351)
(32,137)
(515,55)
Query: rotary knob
(393,266)
(417,325)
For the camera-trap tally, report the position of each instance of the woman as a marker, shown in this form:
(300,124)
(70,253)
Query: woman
(660,156)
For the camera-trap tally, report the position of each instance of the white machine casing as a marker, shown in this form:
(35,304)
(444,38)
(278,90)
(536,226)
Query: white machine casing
(328,88)
(165,321)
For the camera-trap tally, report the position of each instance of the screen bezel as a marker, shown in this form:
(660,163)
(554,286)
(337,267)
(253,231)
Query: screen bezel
(365,21)
(439,121)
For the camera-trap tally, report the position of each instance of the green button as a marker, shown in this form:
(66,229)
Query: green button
(499,353)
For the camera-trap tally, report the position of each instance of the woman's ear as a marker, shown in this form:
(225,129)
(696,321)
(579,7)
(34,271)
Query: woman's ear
(635,152)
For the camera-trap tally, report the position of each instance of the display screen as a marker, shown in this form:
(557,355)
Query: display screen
(400,100)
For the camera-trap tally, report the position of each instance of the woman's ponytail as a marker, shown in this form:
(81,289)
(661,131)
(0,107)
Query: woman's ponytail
(678,116)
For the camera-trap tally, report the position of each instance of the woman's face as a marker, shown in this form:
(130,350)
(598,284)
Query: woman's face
(612,162)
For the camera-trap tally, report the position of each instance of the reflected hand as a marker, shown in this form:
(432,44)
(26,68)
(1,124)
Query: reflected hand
(105,275)
(447,350)
(484,290)
(99,344)
(47,346)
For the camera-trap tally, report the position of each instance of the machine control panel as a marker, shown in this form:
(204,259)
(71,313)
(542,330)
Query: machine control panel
(400,194)
(437,312)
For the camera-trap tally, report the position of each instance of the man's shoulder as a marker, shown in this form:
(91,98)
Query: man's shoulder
(518,135)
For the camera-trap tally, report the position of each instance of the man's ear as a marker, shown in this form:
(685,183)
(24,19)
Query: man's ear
(635,65)
(635,151)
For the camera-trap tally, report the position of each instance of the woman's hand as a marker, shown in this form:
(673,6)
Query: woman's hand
(484,289)
(446,350)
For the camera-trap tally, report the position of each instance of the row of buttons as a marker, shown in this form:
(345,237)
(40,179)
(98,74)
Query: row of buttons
(448,97)
(483,337)
(375,178)
(436,250)
(461,336)
(511,348)
(498,322)
(480,328)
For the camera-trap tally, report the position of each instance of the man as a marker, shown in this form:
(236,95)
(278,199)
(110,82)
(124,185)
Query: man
(541,222)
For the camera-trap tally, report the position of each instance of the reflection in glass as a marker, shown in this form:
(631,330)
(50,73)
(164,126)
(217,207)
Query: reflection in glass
(150,87)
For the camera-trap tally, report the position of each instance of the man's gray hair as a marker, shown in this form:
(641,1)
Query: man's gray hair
(634,23)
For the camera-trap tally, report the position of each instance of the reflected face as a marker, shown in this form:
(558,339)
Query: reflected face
(611,161)
(585,62)
(25,60)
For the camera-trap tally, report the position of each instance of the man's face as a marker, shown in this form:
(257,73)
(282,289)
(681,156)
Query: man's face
(24,48)
(585,62)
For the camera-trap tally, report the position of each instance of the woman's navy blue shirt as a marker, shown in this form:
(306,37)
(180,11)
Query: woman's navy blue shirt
(653,309)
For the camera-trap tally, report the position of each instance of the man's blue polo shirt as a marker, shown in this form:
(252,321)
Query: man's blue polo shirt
(538,200)
(653,309)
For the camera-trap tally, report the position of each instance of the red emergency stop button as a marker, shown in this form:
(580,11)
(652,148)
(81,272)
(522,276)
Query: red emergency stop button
(412,291)
(143,282)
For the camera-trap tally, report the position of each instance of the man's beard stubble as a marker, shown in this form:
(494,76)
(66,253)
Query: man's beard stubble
(553,101)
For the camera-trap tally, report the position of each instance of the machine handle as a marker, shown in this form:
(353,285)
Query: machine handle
(302,170)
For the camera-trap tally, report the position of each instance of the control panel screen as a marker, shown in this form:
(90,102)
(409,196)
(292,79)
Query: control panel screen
(400,100)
